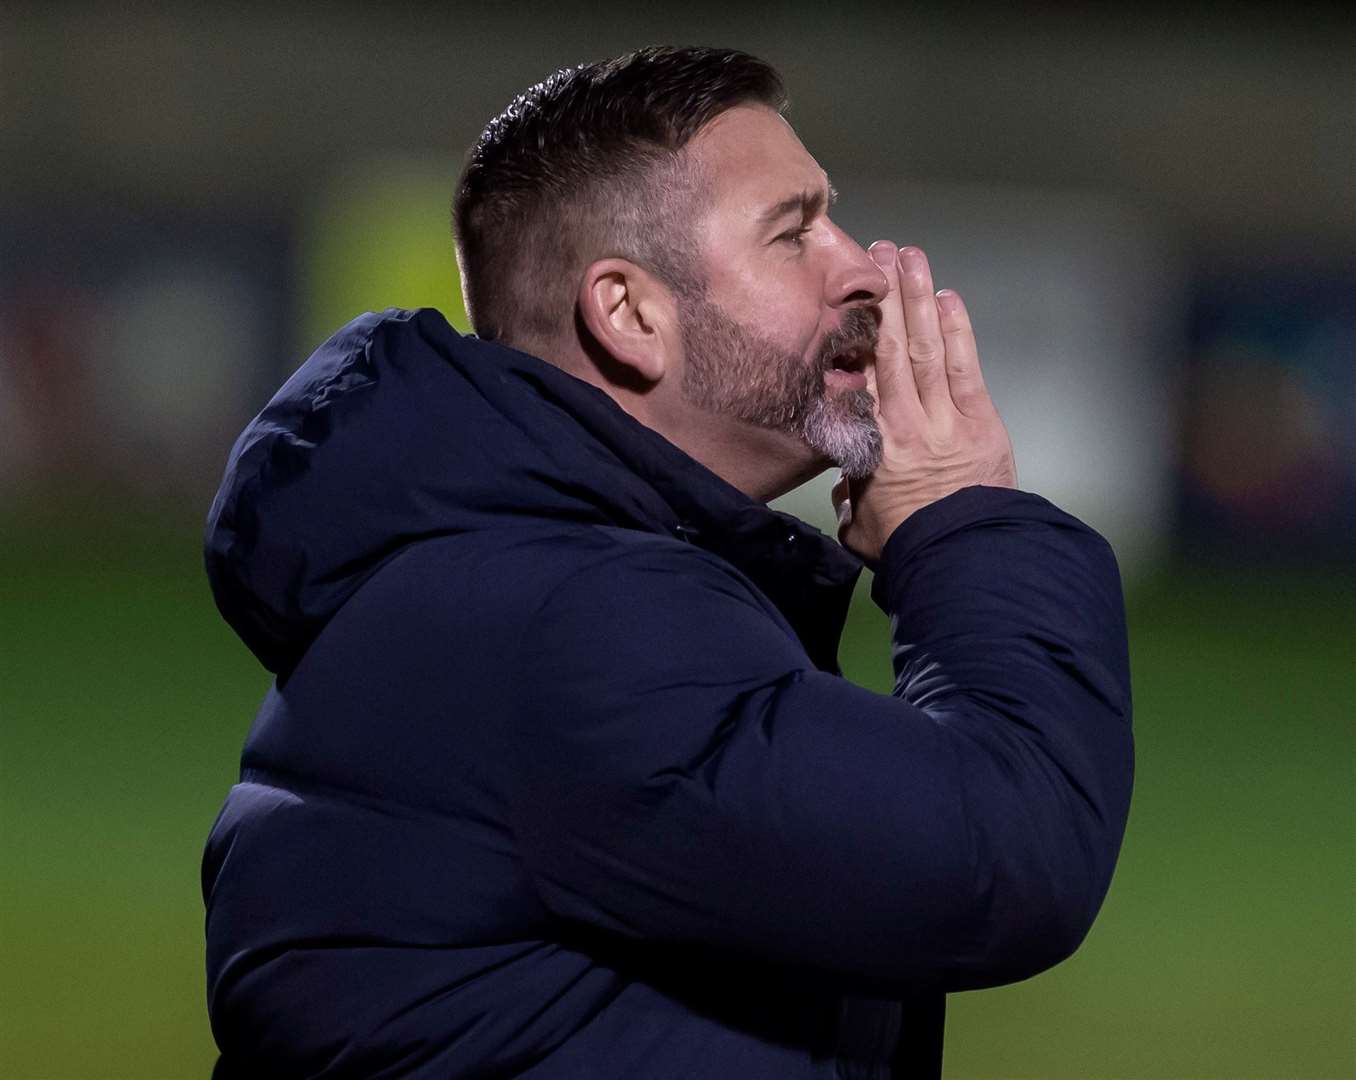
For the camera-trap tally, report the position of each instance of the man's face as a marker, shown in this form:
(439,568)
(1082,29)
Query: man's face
(785,328)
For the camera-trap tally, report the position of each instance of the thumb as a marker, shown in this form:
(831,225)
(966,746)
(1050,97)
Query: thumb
(841,496)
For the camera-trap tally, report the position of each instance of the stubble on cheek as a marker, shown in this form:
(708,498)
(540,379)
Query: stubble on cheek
(735,371)
(740,373)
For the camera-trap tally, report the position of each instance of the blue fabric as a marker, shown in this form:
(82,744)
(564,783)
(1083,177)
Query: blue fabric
(559,778)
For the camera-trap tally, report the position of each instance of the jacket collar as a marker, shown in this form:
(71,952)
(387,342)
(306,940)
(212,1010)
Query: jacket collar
(807,575)
(398,429)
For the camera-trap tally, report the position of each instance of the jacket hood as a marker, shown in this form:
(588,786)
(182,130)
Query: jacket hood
(399,429)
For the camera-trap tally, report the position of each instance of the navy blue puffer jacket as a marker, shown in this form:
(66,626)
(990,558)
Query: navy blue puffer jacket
(559,778)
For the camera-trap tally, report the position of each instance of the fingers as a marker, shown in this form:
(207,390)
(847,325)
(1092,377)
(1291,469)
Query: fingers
(965,380)
(926,347)
(891,377)
(926,354)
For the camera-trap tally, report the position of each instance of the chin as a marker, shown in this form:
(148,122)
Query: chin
(842,429)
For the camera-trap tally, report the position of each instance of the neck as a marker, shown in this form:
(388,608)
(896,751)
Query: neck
(761,463)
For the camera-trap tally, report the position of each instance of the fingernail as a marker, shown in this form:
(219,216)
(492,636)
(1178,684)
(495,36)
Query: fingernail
(947,301)
(883,254)
(910,254)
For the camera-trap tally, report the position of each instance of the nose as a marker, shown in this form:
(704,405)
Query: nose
(853,280)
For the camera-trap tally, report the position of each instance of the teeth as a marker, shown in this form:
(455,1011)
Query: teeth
(852,359)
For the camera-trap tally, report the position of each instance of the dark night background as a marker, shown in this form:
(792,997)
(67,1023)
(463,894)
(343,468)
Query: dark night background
(1150,215)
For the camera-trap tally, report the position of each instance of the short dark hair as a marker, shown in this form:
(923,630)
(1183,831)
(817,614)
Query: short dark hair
(587,165)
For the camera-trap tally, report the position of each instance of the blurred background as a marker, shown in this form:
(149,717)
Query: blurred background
(1152,216)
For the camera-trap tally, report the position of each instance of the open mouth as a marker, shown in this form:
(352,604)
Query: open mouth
(852,359)
(847,369)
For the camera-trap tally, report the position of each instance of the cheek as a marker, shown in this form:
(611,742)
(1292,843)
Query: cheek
(784,308)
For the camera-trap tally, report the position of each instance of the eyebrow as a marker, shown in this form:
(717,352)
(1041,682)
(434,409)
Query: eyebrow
(808,203)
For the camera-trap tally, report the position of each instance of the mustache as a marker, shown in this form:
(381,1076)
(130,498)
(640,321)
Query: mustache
(859,331)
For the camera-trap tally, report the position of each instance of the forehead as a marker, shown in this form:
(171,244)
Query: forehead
(753,158)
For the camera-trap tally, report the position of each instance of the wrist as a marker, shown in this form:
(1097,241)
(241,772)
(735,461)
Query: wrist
(969,507)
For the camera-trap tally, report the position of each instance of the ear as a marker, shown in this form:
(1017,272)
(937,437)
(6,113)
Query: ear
(632,316)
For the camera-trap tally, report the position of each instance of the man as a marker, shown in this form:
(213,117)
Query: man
(559,777)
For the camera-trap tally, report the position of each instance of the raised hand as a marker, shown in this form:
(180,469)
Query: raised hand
(940,431)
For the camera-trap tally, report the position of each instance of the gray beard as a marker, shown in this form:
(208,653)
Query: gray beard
(737,372)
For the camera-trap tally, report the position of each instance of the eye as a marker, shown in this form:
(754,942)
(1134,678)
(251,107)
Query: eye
(795,236)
